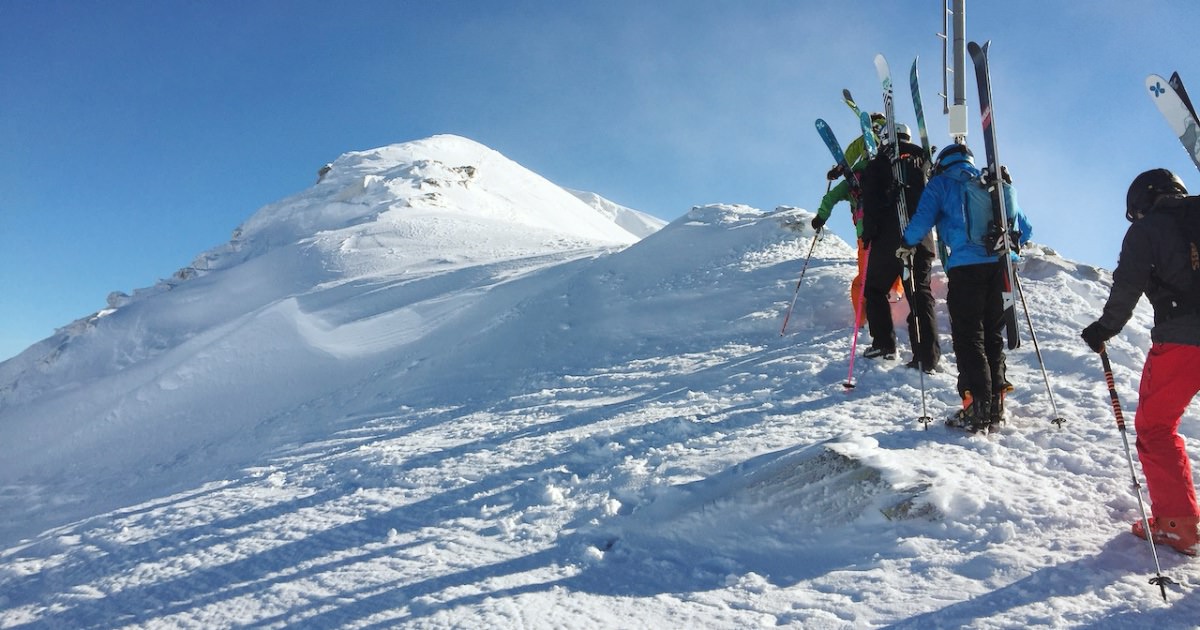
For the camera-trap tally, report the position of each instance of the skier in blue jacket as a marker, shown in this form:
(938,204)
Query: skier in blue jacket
(976,283)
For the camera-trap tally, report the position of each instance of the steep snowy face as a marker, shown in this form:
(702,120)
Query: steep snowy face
(639,223)
(401,212)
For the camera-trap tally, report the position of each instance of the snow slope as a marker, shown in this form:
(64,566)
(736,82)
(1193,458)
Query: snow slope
(469,403)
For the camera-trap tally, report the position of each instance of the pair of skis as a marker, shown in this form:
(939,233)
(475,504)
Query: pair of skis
(899,179)
(1003,245)
(1172,101)
(865,119)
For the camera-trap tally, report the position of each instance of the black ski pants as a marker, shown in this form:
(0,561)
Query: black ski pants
(882,270)
(976,304)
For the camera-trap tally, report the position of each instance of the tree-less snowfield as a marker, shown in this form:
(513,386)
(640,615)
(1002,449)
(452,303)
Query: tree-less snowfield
(435,390)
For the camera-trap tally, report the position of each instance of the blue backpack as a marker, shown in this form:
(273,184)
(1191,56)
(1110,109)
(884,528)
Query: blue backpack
(980,219)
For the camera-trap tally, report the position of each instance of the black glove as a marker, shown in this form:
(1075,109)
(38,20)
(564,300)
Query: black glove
(834,172)
(1096,334)
(818,222)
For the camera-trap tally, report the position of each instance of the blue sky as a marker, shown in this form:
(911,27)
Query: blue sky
(138,134)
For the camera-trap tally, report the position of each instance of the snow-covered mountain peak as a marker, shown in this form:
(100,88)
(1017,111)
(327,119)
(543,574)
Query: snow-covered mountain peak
(403,211)
(426,190)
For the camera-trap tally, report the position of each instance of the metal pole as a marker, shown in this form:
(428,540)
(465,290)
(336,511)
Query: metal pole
(958,112)
(944,35)
(960,46)
(1058,420)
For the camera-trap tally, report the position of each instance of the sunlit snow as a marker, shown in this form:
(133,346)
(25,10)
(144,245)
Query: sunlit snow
(436,390)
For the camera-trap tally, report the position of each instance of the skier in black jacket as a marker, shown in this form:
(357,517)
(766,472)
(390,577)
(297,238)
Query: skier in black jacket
(881,233)
(1160,257)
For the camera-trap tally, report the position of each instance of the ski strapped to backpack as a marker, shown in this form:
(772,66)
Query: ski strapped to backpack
(836,150)
(889,112)
(849,100)
(867,143)
(900,180)
(868,134)
(1174,106)
(1004,246)
(915,86)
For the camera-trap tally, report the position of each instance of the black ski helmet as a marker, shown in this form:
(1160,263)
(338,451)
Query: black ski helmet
(953,154)
(1147,188)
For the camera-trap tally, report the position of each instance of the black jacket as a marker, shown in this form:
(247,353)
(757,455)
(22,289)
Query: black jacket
(880,219)
(1157,261)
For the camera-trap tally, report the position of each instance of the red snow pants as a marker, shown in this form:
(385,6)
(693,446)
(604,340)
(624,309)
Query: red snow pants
(1170,379)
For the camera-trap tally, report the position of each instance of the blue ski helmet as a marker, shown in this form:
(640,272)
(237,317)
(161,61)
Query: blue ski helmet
(953,154)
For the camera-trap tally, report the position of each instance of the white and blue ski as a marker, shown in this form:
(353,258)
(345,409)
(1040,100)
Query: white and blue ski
(1179,116)
(868,134)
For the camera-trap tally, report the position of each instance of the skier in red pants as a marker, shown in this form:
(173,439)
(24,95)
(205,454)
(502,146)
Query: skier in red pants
(1160,257)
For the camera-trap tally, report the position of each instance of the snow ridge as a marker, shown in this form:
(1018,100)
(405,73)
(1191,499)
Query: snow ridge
(556,431)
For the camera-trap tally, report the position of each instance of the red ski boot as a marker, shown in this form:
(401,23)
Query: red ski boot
(1179,533)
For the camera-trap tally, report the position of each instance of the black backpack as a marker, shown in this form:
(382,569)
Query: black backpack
(1183,297)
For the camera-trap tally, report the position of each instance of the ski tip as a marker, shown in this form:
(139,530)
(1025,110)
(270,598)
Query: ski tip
(975,50)
(1156,84)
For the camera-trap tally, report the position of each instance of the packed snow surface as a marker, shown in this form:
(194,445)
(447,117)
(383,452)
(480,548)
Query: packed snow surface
(435,390)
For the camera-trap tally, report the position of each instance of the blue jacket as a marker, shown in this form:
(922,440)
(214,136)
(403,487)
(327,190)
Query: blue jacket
(942,205)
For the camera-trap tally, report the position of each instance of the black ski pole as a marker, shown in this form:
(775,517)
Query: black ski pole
(1058,419)
(925,419)
(816,237)
(796,293)
(1159,580)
